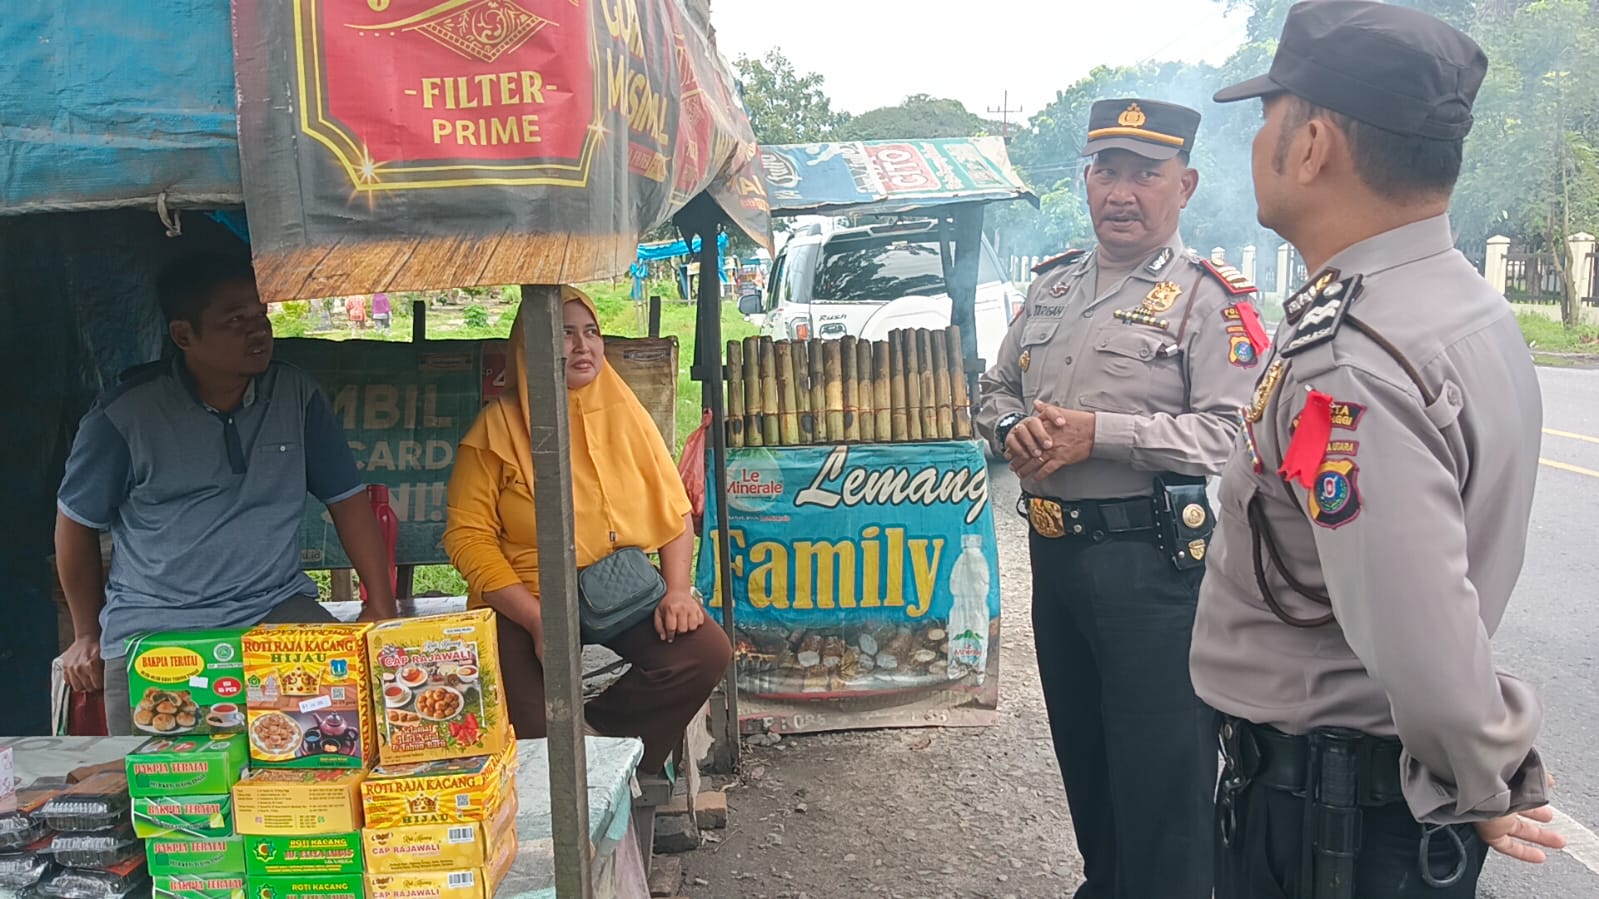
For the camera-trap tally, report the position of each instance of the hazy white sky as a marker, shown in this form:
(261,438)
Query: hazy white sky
(874,52)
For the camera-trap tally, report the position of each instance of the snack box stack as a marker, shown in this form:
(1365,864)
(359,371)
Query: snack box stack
(308,696)
(189,682)
(94,849)
(302,832)
(25,856)
(441,807)
(183,808)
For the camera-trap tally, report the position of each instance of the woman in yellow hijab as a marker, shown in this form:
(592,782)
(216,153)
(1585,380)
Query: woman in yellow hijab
(625,492)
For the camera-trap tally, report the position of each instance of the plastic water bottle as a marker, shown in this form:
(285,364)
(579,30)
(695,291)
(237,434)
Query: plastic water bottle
(968,615)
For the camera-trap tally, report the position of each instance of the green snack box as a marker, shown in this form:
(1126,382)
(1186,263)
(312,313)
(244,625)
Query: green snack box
(309,886)
(179,857)
(208,886)
(189,682)
(297,856)
(188,766)
(183,817)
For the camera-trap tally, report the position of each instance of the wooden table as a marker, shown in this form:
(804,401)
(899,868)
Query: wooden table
(618,866)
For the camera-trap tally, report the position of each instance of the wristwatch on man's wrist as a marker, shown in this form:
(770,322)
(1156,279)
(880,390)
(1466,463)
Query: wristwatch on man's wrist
(1003,426)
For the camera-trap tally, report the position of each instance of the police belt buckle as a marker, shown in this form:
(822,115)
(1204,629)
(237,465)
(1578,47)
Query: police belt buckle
(1047,517)
(1183,519)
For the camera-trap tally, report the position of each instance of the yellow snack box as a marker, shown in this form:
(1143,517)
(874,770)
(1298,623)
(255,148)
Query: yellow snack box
(308,695)
(458,791)
(441,847)
(437,688)
(293,802)
(467,883)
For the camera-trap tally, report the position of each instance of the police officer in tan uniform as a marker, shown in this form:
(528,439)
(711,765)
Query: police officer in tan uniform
(1374,519)
(1115,394)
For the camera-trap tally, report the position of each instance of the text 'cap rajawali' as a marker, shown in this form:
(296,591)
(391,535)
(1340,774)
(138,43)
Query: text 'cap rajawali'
(1150,128)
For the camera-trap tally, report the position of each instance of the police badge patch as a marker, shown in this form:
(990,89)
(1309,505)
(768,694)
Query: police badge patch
(1334,498)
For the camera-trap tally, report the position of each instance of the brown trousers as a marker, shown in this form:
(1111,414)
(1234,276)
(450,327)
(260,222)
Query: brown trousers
(654,700)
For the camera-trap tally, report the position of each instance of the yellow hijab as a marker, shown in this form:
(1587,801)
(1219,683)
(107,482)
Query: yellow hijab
(624,481)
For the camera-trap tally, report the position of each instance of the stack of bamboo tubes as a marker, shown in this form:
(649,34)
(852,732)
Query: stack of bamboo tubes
(909,387)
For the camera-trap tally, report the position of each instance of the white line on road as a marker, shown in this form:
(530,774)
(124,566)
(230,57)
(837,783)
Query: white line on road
(1569,435)
(1574,469)
(1581,843)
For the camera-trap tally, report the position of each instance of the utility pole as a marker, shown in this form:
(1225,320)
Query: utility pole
(1004,111)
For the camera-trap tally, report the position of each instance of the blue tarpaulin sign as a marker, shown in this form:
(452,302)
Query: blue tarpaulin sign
(887,176)
(867,584)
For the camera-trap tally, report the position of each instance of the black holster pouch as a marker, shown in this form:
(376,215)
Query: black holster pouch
(1333,813)
(1183,519)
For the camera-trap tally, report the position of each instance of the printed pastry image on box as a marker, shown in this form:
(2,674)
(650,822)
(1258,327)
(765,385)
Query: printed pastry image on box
(293,856)
(470,883)
(187,817)
(458,791)
(187,766)
(294,802)
(438,688)
(441,847)
(308,886)
(210,886)
(187,683)
(196,858)
(307,695)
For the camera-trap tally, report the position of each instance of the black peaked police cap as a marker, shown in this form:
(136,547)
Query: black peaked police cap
(1150,128)
(1394,68)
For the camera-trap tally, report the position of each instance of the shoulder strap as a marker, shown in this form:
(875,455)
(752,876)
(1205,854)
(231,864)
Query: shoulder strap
(1231,279)
(1062,259)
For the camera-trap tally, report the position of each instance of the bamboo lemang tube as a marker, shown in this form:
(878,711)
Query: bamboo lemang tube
(898,429)
(788,413)
(929,407)
(802,392)
(852,406)
(946,424)
(735,393)
(816,357)
(833,370)
(771,433)
(865,392)
(960,400)
(754,419)
(913,387)
(882,402)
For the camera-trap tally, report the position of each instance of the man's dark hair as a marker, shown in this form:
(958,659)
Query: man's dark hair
(186,287)
(1393,164)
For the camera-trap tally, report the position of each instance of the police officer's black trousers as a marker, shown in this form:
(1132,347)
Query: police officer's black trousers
(1137,749)
(1267,853)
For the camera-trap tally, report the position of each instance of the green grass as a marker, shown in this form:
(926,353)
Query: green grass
(487,317)
(1548,336)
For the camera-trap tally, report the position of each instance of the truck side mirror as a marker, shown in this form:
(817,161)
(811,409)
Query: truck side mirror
(750,303)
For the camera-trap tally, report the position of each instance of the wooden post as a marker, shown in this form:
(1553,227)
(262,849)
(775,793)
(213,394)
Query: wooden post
(865,392)
(882,397)
(802,392)
(815,356)
(929,407)
(899,430)
(735,393)
(913,387)
(341,584)
(787,401)
(544,346)
(404,581)
(771,434)
(852,404)
(655,316)
(833,370)
(946,424)
(754,421)
(959,399)
(419,321)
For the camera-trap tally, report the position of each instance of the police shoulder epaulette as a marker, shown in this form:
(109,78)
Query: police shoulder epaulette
(1232,280)
(1062,259)
(1318,313)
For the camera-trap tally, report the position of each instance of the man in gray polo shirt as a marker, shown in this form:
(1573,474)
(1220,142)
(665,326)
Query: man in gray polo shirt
(199,467)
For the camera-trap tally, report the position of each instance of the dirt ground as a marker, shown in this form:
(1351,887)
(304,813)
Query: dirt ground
(926,812)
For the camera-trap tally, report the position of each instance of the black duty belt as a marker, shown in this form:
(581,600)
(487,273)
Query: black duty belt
(1267,756)
(1090,519)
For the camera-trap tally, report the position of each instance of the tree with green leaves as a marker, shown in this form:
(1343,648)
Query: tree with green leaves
(784,106)
(919,116)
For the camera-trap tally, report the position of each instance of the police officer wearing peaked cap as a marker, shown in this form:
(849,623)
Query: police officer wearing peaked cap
(1116,392)
(1374,518)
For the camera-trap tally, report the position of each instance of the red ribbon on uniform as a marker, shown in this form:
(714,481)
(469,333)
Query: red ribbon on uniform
(1253,329)
(1308,447)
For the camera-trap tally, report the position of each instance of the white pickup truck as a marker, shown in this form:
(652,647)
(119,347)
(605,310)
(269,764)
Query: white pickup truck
(868,281)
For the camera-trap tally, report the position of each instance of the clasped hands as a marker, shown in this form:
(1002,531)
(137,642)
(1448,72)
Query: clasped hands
(1048,440)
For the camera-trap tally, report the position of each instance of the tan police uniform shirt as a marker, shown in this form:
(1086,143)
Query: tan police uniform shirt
(1165,396)
(1415,529)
